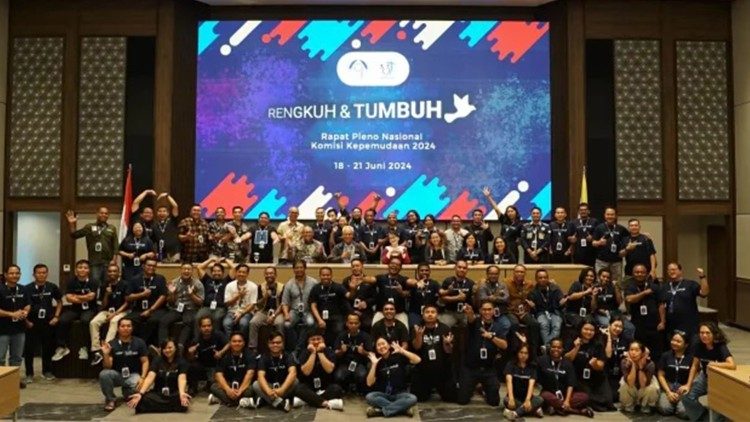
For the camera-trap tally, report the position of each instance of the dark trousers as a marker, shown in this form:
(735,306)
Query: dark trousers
(426,377)
(197,373)
(344,377)
(334,327)
(155,402)
(67,318)
(186,331)
(41,335)
(220,394)
(304,392)
(146,327)
(578,400)
(470,377)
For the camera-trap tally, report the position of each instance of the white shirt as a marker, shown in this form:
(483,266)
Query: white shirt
(250,296)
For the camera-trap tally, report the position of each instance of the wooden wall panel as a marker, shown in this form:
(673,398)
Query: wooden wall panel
(622,19)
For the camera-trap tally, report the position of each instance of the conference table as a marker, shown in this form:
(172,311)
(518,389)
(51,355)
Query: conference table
(562,274)
(10,391)
(729,391)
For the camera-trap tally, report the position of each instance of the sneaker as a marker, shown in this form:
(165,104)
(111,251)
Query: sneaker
(83,354)
(246,402)
(287,405)
(60,353)
(110,406)
(28,379)
(298,402)
(509,414)
(213,400)
(646,410)
(374,412)
(628,409)
(409,412)
(49,376)
(539,413)
(98,358)
(336,404)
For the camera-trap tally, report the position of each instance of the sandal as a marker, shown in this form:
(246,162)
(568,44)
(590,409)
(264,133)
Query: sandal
(110,406)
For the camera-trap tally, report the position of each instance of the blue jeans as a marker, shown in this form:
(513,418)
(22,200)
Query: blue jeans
(391,404)
(694,410)
(109,379)
(549,327)
(243,326)
(13,343)
(503,322)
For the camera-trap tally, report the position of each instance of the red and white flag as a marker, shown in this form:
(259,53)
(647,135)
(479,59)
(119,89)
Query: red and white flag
(127,202)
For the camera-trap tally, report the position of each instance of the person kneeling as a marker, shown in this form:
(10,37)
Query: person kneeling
(168,375)
(277,375)
(234,375)
(520,377)
(316,365)
(388,377)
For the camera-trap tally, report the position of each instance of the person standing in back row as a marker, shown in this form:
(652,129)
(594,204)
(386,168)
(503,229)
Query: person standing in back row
(607,239)
(101,241)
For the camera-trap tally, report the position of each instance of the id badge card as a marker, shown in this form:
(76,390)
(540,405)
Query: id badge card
(235,385)
(497,312)
(98,246)
(137,263)
(372,245)
(42,313)
(559,395)
(356,303)
(421,309)
(261,245)
(85,306)
(558,246)
(460,307)
(496,258)
(324,314)
(586,373)
(431,354)
(533,244)
(391,300)
(546,313)
(180,306)
(483,353)
(161,244)
(275,385)
(165,391)
(613,248)
(352,366)
(200,238)
(213,305)
(300,307)
(408,243)
(271,313)
(144,304)
(583,242)
(111,310)
(582,312)
(316,383)
(644,310)
(125,372)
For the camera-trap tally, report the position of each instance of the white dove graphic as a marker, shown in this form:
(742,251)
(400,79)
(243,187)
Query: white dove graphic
(463,108)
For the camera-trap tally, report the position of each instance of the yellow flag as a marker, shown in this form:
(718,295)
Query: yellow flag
(584,188)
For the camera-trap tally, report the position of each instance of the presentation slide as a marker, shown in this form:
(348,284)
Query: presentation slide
(423,114)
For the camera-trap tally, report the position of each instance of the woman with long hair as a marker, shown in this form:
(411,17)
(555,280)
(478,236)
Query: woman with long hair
(616,343)
(520,377)
(471,252)
(587,355)
(387,379)
(673,373)
(168,375)
(435,252)
(500,254)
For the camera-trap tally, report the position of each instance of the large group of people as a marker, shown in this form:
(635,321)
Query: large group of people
(618,334)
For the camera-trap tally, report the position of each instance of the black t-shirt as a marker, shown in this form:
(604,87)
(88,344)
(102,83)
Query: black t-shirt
(719,353)
(83,287)
(620,346)
(521,378)
(273,297)
(559,238)
(387,293)
(331,298)
(614,235)
(137,246)
(148,226)
(352,342)
(208,346)
(41,298)
(474,357)
(276,368)
(363,292)
(128,354)
(262,244)
(432,339)
(651,302)
(117,297)
(429,295)
(11,300)
(398,332)
(511,232)
(606,299)
(584,251)
(640,255)
(165,236)
(156,284)
(167,374)
(574,306)
(457,286)
(322,233)
(390,375)
(546,300)
(555,376)
(584,372)
(676,370)
(681,305)
(318,378)
(234,367)
(214,290)
(484,237)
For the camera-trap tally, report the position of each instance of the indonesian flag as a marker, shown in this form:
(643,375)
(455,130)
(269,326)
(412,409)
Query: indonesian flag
(127,202)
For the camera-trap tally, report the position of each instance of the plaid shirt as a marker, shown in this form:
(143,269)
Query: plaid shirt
(194,249)
(216,232)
